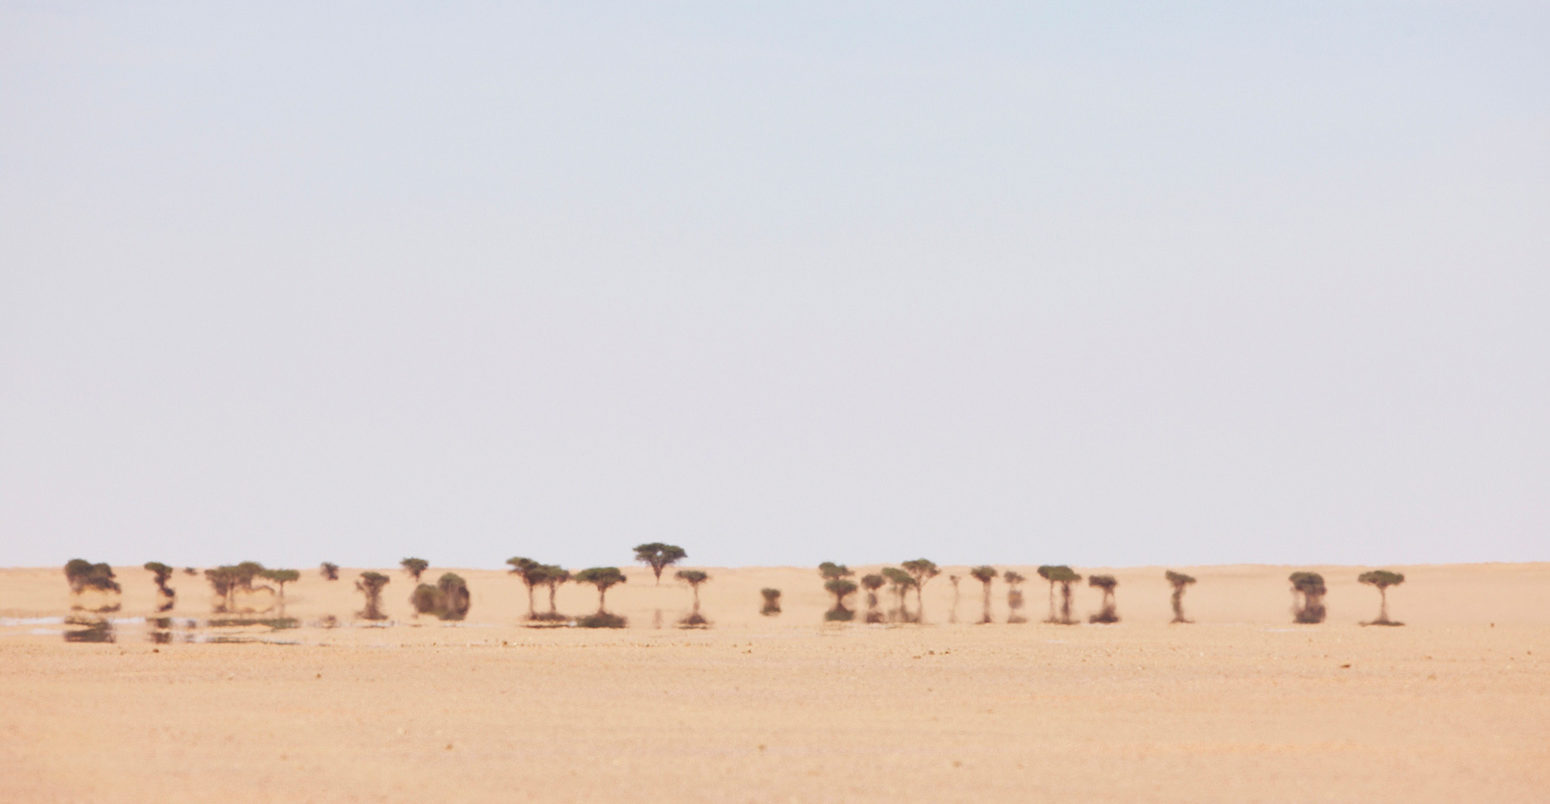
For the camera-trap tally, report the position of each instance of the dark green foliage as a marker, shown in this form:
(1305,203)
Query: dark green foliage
(658,556)
(329,570)
(694,578)
(839,615)
(1107,583)
(532,573)
(551,576)
(281,577)
(841,588)
(1308,592)
(415,567)
(871,583)
(370,584)
(984,574)
(831,571)
(771,601)
(229,579)
(1382,579)
(602,619)
(899,582)
(1180,581)
(1065,576)
(602,578)
(922,570)
(448,599)
(162,573)
(82,575)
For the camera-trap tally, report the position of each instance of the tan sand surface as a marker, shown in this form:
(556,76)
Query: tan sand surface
(1243,705)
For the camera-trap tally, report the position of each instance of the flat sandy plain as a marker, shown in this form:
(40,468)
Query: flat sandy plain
(1242,705)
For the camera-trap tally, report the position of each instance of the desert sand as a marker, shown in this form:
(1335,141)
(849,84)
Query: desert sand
(1241,705)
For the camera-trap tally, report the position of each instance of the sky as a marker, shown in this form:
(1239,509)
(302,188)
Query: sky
(1113,284)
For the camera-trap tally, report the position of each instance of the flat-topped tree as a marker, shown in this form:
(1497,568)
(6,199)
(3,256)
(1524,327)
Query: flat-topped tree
(531,573)
(693,578)
(161,574)
(922,570)
(1065,576)
(1180,582)
(1382,579)
(659,556)
(370,584)
(831,571)
(281,577)
(1014,596)
(984,574)
(871,583)
(1308,592)
(1107,613)
(771,605)
(415,567)
(229,579)
(602,578)
(329,570)
(841,588)
(899,582)
(551,576)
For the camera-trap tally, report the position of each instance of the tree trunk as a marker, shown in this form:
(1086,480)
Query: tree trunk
(602,599)
(1383,605)
(696,589)
(530,610)
(1065,602)
(987,603)
(1052,601)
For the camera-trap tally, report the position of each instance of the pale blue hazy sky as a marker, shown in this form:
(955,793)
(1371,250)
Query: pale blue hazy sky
(1089,282)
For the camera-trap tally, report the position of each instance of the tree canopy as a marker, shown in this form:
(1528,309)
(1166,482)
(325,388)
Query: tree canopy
(1058,573)
(658,556)
(1381,578)
(984,573)
(415,567)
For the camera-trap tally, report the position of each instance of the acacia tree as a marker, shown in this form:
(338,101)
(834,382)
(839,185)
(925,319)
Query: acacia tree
(1106,614)
(1065,576)
(1308,592)
(448,599)
(551,576)
(602,578)
(329,570)
(984,574)
(693,578)
(659,556)
(415,567)
(1014,596)
(771,601)
(899,582)
(921,570)
(370,584)
(871,583)
(83,575)
(1382,579)
(1180,582)
(281,577)
(162,573)
(229,579)
(531,573)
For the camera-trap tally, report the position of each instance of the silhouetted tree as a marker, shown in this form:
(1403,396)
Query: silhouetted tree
(415,567)
(841,588)
(921,570)
(162,573)
(1308,597)
(1014,596)
(659,556)
(984,574)
(370,584)
(771,601)
(531,572)
(693,578)
(1107,583)
(871,583)
(551,576)
(229,579)
(1179,581)
(602,578)
(329,570)
(1063,575)
(831,571)
(899,582)
(1382,579)
(448,599)
(281,577)
(83,575)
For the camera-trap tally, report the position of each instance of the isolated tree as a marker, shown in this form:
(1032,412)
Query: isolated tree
(830,571)
(841,588)
(83,575)
(984,574)
(1014,596)
(771,601)
(871,582)
(602,578)
(1107,613)
(1308,592)
(1063,575)
(531,572)
(693,578)
(1382,579)
(921,570)
(370,584)
(899,582)
(1180,582)
(329,570)
(162,573)
(415,567)
(659,556)
(448,599)
(281,577)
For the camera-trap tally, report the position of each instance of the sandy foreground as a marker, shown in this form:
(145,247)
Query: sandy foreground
(1242,705)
